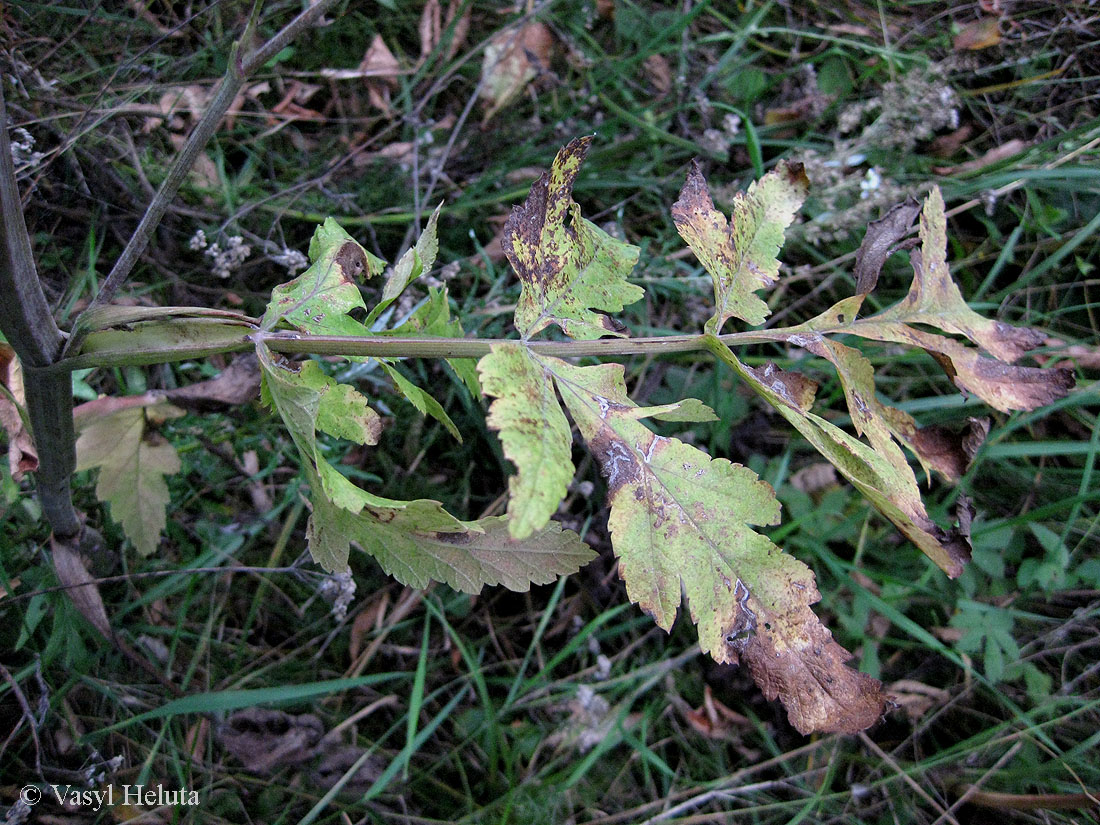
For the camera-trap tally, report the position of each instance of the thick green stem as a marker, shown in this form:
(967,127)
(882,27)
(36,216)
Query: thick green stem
(177,340)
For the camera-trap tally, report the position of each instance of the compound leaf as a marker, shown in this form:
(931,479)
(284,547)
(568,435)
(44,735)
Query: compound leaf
(681,519)
(741,255)
(534,432)
(567,271)
(132,466)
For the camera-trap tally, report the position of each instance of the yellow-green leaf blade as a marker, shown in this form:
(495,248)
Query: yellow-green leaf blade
(318,300)
(485,554)
(878,478)
(534,432)
(132,466)
(741,256)
(680,518)
(567,271)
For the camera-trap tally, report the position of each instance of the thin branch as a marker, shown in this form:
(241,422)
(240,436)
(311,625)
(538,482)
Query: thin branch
(240,67)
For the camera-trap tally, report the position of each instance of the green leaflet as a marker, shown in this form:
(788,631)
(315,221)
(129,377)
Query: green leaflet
(132,469)
(534,432)
(566,271)
(414,263)
(740,256)
(420,399)
(318,300)
(483,554)
(680,518)
(432,319)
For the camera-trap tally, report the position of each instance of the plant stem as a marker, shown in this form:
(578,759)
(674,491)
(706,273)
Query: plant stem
(28,325)
(149,344)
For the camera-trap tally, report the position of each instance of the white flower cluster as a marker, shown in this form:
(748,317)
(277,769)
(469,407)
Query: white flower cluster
(223,262)
(23,155)
(291,259)
(339,589)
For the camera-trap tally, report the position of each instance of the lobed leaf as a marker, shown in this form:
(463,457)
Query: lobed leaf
(535,434)
(567,271)
(935,447)
(415,541)
(741,255)
(680,519)
(133,465)
(934,298)
(482,554)
(934,301)
(318,300)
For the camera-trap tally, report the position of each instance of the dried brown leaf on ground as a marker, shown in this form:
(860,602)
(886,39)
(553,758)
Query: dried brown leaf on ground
(981,34)
(994,155)
(380,70)
(237,384)
(292,105)
(659,73)
(714,720)
(81,587)
(433,25)
(264,740)
(22,455)
(916,698)
(512,60)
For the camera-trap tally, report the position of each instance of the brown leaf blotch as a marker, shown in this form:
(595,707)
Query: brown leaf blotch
(793,387)
(948,451)
(819,692)
(618,464)
(352,261)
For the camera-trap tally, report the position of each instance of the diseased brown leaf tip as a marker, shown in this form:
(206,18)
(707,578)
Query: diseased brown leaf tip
(572,271)
(948,451)
(881,241)
(793,657)
(740,254)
